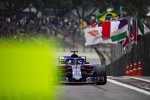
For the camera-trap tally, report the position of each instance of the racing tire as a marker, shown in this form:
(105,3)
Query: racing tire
(100,75)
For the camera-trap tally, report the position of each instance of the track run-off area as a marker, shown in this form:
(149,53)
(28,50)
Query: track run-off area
(117,88)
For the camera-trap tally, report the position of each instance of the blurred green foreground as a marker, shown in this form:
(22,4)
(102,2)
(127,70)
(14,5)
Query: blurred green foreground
(28,70)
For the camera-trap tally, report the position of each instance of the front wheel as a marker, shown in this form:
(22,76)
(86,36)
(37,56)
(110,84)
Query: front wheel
(100,75)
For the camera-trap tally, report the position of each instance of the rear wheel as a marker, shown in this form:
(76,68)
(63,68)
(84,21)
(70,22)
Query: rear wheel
(100,75)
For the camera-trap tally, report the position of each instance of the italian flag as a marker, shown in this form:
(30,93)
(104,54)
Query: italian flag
(114,30)
(142,29)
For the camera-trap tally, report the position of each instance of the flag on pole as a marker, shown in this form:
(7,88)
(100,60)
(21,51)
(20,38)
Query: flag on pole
(136,27)
(106,30)
(124,42)
(135,30)
(92,35)
(131,31)
(142,29)
(116,30)
(106,15)
(120,32)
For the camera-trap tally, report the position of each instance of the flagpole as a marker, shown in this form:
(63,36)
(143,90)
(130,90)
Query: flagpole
(121,14)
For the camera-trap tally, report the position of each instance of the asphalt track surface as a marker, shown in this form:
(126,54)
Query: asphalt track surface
(131,89)
(110,91)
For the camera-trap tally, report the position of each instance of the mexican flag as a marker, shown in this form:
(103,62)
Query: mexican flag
(142,29)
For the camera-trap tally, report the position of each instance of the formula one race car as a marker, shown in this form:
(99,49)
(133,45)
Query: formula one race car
(75,69)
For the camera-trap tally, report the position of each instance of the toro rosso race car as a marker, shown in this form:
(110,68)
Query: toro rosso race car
(75,69)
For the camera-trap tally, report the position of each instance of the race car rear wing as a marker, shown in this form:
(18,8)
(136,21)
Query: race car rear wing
(62,59)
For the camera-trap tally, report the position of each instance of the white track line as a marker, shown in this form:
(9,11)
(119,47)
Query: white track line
(129,86)
(146,80)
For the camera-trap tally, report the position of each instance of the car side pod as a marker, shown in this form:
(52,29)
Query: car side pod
(100,75)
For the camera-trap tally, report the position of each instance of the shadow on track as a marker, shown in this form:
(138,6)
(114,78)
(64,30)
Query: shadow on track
(76,84)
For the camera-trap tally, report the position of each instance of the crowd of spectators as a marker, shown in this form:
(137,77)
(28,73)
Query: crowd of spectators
(44,25)
(51,26)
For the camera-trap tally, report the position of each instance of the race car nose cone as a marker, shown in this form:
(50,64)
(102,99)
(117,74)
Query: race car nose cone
(77,76)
